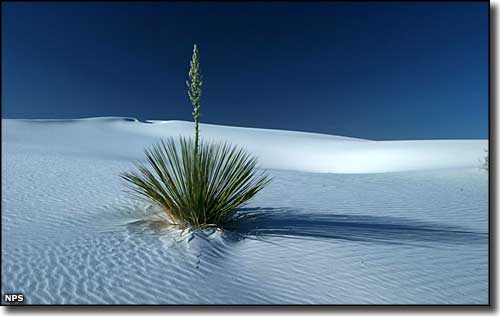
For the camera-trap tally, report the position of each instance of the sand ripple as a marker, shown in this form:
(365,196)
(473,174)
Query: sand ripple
(398,238)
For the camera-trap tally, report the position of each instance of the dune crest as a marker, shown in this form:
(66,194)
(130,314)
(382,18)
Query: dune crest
(125,138)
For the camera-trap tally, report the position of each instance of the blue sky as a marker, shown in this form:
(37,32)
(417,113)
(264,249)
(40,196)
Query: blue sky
(371,70)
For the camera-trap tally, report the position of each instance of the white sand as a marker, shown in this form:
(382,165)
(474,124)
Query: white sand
(384,222)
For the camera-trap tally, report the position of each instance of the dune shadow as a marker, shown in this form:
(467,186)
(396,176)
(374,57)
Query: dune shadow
(299,224)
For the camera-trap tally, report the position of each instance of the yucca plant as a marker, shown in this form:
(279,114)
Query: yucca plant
(485,161)
(196,184)
(197,190)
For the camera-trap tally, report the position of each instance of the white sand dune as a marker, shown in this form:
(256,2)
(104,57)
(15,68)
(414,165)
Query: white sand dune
(345,221)
(276,149)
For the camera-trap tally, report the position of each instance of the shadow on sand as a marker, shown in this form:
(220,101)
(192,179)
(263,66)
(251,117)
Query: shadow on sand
(290,223)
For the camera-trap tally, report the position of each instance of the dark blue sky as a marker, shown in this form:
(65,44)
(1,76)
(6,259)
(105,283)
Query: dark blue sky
(371,70)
